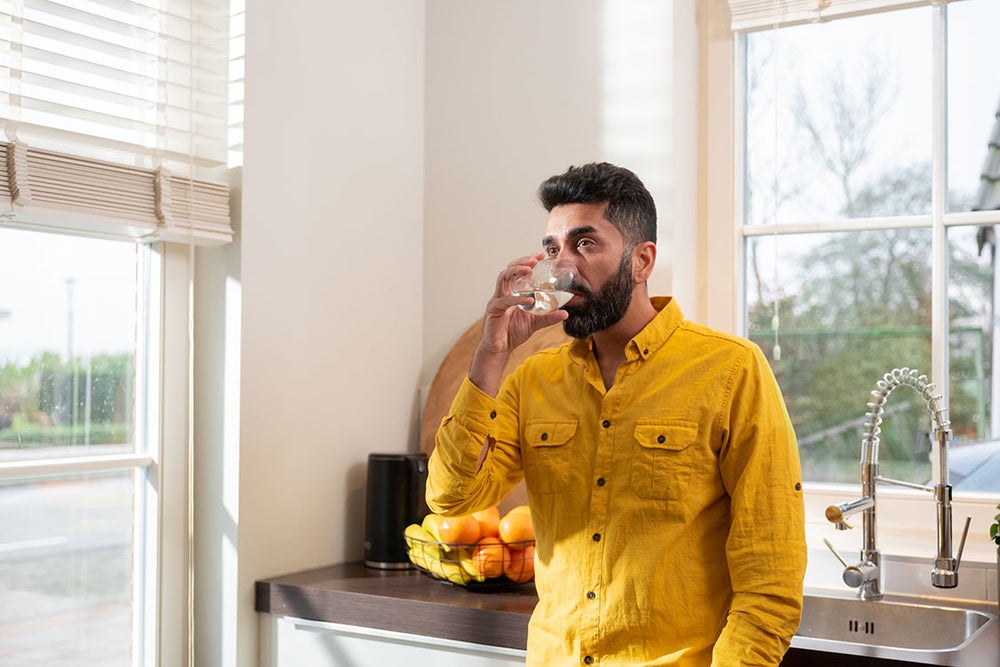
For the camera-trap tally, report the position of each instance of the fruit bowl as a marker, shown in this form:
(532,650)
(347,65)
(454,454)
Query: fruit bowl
(481,551)
(486,565)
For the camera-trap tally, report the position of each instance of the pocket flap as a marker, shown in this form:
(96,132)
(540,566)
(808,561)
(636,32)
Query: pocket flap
(673,435)
(549,434)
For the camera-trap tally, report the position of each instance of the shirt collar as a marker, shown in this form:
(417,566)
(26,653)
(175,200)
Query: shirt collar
(647,341)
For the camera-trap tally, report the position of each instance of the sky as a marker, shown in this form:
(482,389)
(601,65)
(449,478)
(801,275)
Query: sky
(49,280)
(900,46)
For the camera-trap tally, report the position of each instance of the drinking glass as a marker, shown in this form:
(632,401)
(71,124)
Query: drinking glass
(548,285)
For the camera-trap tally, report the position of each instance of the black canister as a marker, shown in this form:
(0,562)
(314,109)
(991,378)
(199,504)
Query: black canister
(394,499)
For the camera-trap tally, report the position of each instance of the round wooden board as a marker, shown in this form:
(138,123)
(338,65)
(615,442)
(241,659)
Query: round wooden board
(454,369)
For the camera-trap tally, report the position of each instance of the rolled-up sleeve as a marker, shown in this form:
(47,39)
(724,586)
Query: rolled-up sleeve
(456,484)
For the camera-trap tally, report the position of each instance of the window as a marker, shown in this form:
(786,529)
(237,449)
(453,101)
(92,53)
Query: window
(73,468)
(870,163)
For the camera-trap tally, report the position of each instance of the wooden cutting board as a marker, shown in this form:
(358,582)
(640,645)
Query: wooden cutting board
(455,368)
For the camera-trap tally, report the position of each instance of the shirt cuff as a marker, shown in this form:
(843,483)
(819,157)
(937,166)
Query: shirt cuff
(474,407)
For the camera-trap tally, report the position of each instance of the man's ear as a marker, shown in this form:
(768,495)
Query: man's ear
(643,260)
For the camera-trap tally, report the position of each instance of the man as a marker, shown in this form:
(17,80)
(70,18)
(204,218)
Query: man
(659,461)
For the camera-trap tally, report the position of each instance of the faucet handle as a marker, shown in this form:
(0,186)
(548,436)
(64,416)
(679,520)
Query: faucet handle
(834,552)
(854,575)
(961,545)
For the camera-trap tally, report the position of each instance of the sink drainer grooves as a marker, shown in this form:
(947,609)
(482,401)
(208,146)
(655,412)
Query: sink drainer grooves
(854,625)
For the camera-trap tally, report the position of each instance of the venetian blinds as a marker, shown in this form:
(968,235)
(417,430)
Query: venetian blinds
(749,15)
(113,113)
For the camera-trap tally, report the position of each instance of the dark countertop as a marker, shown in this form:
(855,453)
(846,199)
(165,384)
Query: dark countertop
(411,602)
(401,601)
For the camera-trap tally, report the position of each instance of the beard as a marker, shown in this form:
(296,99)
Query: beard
(603,308)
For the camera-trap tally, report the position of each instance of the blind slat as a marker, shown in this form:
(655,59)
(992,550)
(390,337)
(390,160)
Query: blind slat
(139,74)
(112,110)
(134,202)
(750,15)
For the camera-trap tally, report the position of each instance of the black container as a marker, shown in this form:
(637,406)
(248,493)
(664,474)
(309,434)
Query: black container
(394,499)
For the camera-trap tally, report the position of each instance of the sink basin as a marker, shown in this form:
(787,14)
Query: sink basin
(888,623)
(921,633)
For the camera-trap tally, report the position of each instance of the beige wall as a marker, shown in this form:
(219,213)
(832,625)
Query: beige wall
(331,244)
(520,90)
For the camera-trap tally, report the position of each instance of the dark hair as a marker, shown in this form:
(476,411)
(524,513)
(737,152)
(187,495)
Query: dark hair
(630,206)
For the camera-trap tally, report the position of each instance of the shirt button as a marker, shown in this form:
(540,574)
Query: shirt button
(493,414)
(588,660)
(596,537)
(545,436)
(601,481)
(591,595)
(606,424)
(661,439)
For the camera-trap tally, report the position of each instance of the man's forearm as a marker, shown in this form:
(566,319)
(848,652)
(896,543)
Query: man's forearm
(487,371)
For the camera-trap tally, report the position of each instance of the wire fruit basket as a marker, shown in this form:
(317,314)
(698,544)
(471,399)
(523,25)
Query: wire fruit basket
(487,565)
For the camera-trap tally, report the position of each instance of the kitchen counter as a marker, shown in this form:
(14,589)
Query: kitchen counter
(411,603)
(404,601)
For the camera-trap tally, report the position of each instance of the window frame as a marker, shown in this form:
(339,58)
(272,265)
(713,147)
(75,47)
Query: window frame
(721,269)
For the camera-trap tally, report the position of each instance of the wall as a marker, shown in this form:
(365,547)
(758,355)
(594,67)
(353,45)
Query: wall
(330,251)
(520,90)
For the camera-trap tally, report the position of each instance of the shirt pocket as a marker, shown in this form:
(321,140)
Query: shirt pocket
(548,454)
(662,462)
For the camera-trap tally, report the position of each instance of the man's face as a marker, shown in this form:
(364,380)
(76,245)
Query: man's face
(583,240)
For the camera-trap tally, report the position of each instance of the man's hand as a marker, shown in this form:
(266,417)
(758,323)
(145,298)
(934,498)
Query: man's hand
(505,326)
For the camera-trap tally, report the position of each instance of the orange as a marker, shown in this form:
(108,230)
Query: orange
(489,522)
(521,567)
(458,530)
(520,508)
(516,527)
(491,556)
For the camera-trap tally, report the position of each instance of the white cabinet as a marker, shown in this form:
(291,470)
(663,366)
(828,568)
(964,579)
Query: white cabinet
(294,642)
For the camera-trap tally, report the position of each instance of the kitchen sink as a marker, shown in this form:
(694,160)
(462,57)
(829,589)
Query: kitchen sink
(922,633)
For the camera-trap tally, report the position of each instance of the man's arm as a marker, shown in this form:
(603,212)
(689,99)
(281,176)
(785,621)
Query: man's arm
(766,547)
(467,434)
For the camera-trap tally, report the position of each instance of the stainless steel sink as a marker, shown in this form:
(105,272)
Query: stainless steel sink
(922,633)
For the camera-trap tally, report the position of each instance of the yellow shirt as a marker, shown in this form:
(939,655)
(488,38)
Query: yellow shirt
(667,511)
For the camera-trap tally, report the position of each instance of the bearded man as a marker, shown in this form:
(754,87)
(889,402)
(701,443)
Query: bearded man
(659,461)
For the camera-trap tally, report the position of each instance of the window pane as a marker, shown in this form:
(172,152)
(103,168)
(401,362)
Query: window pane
(838,119)
(973,99)
(974,460)
(851,307)
(66,571)
(67,344)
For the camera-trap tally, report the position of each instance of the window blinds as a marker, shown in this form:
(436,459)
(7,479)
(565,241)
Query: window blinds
(749,15)
(113,110)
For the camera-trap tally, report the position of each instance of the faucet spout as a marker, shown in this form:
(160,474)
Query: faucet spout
(837,513)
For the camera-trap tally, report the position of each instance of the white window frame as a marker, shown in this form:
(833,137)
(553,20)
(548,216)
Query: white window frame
(161,545)
(722,237)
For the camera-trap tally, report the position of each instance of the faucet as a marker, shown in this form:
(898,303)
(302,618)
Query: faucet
(866,575)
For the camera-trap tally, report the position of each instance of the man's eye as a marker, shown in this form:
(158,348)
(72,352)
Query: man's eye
(552,251)
(583,243)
